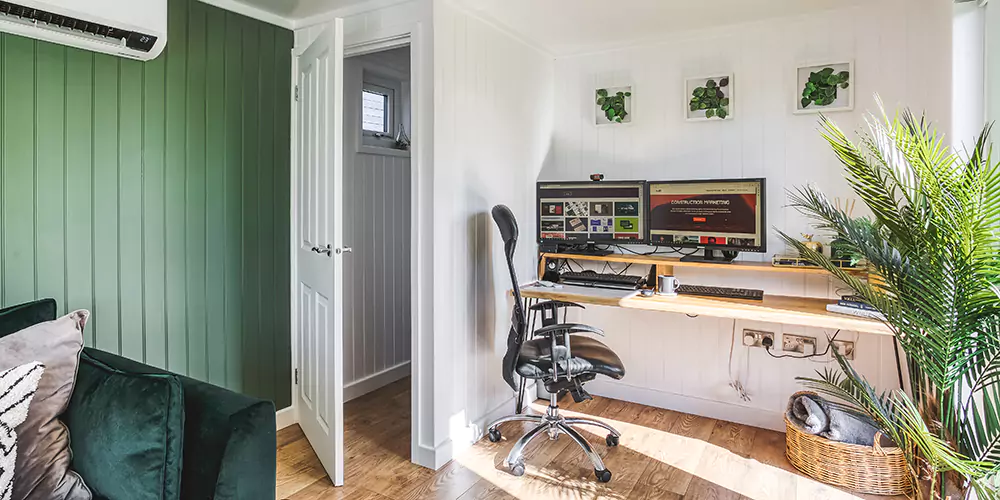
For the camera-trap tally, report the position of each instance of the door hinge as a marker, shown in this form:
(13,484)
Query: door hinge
(296,93)
(296,376)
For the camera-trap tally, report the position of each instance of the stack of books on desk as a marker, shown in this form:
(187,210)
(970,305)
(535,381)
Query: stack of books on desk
(855,306)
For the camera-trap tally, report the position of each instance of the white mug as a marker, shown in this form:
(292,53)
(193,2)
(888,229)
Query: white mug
(667,285)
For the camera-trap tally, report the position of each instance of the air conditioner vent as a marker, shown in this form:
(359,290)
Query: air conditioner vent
(133,40)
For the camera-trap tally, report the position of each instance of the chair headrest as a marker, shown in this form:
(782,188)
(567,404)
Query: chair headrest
(505,220)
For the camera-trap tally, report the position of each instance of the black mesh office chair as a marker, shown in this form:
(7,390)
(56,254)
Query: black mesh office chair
(555,356)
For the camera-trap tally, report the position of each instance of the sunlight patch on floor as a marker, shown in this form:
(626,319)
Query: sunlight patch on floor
(689,456)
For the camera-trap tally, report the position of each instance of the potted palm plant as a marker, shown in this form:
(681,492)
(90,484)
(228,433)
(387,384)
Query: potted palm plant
(933,243)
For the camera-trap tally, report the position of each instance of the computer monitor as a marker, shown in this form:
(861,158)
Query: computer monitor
(727,215)
(591,213)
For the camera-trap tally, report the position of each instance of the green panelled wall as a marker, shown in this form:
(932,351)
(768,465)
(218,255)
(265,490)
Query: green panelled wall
(157,195)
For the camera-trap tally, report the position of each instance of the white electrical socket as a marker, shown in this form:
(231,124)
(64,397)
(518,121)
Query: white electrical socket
(798,344)
(845,348)
(755,338)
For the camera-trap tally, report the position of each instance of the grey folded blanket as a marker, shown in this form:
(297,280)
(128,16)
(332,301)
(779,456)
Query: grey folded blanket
(815,415)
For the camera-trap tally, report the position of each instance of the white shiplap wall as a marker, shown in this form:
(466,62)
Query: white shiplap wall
(377,225)
(493,107)
(901,49)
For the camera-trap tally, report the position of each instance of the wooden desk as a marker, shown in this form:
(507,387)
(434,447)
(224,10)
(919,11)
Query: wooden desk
(773,309)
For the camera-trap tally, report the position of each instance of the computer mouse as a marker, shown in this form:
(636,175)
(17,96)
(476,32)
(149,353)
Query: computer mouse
(647,293)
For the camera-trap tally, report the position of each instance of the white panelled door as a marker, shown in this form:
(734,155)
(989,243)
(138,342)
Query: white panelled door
(319,394)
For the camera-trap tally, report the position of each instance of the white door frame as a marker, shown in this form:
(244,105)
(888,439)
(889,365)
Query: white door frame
(423,450)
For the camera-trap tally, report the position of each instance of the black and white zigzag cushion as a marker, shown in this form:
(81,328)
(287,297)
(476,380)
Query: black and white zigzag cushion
(17,387)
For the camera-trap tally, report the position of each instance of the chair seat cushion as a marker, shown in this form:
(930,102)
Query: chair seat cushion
(588,356)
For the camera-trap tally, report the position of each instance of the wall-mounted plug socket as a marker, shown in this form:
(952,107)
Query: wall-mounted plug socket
(845,348)
(801,344)
(755,338)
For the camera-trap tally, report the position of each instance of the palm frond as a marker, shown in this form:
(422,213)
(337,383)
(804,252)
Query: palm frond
(932,244)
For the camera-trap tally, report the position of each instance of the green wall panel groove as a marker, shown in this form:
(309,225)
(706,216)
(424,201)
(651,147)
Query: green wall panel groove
(156,195)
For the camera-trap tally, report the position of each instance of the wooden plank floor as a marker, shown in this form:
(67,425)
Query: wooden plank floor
(663,455)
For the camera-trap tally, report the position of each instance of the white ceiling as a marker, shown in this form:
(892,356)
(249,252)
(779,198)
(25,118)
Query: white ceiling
(299,9)
(564,27)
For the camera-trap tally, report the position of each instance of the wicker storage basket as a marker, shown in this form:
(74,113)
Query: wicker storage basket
(864,469)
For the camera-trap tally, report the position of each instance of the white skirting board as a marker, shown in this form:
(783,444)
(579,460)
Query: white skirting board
(286,417)
(370,383)
(729,412)
(463,439)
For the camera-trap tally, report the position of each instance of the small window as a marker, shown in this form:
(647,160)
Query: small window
(375,112)
(377,108)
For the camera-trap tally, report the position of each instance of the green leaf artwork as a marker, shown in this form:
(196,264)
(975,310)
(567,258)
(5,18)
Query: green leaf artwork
(613,105)
(712,98)
(822,86)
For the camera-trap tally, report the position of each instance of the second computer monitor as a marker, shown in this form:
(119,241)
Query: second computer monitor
(712,214)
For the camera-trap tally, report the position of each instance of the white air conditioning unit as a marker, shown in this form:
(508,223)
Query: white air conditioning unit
(136,29)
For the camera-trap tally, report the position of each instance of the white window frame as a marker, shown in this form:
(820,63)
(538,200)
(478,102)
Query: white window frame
(390,96)
(393,89)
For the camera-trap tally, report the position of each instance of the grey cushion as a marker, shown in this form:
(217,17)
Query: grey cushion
(44,456)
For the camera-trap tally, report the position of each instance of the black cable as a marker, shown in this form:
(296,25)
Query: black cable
(814,355)
(678,250)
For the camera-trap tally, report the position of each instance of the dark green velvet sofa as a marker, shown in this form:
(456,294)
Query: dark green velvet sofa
(228,443)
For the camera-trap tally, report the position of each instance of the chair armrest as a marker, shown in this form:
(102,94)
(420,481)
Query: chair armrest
(569,328)
(554,304)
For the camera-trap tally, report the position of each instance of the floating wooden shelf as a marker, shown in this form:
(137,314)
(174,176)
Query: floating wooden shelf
(670,262)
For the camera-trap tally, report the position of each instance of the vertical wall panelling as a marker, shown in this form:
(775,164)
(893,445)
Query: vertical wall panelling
(194,192)
(176,160)
(215,216)
(493,107)
(18,201)
(49,151)
(233,196)
(266,265)
(79,192)
(156,195)
(154,227)
(106,319)
(252,309)
(130,209)
(282,231)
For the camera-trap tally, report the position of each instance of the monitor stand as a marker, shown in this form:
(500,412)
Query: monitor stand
(723,257)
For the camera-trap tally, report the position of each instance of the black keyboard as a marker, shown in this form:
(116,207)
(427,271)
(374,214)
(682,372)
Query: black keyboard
(594,279)
(716,291)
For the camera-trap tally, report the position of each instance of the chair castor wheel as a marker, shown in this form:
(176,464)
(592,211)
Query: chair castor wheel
(494,435)
(612,440)
(603,475)
(517,469)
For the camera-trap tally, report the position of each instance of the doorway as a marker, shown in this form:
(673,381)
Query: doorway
(377,275)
